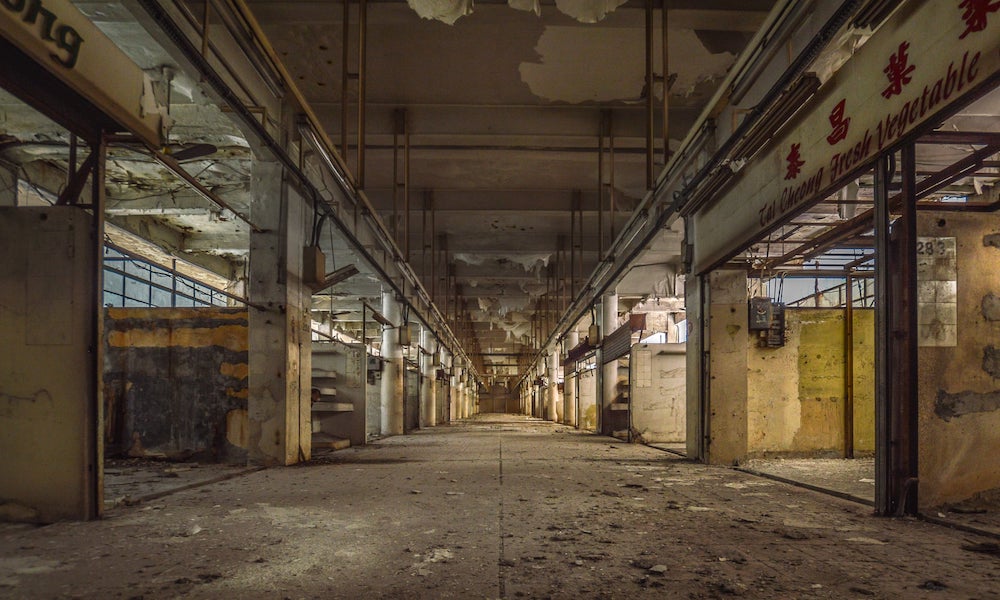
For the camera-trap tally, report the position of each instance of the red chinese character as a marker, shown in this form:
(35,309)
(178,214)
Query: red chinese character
(839,123)
(975,14)
(898,71)
(795,162)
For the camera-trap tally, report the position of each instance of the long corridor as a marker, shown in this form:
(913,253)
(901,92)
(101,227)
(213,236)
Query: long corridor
(496,507)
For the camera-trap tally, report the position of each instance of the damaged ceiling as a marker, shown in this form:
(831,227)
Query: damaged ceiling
(493,110)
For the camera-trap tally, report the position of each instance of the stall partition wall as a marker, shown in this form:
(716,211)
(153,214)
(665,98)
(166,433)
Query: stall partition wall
(587,395)
(657,389)
(790,400)
(49,409)
(797,394)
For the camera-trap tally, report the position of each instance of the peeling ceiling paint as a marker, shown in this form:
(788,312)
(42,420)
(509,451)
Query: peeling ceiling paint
(565,71)
(588,11)
(446,11)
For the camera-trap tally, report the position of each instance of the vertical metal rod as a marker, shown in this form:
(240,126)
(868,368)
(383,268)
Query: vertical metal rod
(344,77)
(428,200)
(666,85)
(883,366)
(649,94)
(406,186)
(906,430)
(95,445)
(362,76)
(849,368)
(611,178)
(600,189)
(574,201)
(395,176)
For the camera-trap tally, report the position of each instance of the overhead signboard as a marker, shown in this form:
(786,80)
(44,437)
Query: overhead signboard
(67,44)
(927,57)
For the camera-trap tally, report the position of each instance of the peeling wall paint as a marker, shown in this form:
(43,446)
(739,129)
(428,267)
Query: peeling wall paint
(176,382)
(958,387)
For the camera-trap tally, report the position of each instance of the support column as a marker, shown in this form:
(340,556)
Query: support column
(553,373)
(569,385)
(279,418)
(392,374)
(609,372)
(428,391)
(727,393)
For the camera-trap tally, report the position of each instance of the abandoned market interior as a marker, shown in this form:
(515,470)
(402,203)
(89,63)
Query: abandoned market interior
(505,299)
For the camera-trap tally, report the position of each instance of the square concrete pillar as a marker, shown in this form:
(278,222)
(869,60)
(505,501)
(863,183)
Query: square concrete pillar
(727,367)
(280,431)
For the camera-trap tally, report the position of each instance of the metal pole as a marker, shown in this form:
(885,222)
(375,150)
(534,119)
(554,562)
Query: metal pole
(406,186)
(344,58)
(362,75)
(906,401)
(574,202)
(600,188)
(849,369)
(428,200)
(649,94)
(666,87)
(611,178)
(395,175)
(883,314)
(94,449)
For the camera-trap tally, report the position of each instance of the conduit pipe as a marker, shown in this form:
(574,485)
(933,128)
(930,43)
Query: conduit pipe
(169,28)
(673,174)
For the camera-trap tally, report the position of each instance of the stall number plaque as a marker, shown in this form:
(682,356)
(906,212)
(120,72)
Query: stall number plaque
(937,286)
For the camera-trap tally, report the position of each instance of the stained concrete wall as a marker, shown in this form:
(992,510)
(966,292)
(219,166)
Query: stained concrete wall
(50,459)
(727,343)
(176,382)
(657,392)
(959,384)
(796,393)
(587,393)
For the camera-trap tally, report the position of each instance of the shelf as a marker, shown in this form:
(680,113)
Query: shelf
(619,406)
(326,391)
(323,406)
(325,440)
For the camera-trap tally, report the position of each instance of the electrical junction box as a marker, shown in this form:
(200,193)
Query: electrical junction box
(760,314)
(313,265)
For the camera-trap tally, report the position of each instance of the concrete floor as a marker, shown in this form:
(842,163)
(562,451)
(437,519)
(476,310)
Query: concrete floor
(497,507)
(854,478)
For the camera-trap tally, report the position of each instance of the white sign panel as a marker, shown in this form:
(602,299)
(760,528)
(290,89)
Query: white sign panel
(925,58)
(67,44)
(937,291)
